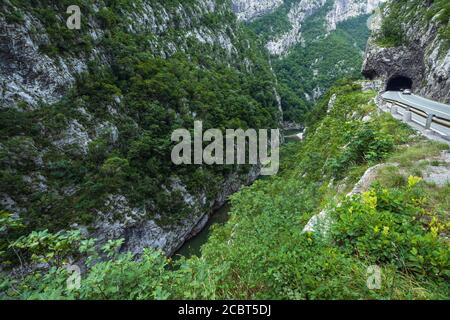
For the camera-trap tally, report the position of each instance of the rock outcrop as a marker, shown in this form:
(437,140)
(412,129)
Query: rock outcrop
(250,9)
(322,221)
(296,16)
(423,58)
(27,73)
(170,238)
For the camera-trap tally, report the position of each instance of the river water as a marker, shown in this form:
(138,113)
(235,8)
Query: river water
(290,135)
(193,246)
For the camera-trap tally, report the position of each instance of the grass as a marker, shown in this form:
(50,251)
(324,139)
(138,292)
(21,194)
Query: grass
(390,177)
(411,159)
(409,155)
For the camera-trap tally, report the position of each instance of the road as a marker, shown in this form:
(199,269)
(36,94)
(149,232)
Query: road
(440,110)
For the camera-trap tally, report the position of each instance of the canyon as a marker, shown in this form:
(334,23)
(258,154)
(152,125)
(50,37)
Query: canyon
(32,76)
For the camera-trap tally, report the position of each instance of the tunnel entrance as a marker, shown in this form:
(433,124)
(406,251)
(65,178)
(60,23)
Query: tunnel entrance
(398,83)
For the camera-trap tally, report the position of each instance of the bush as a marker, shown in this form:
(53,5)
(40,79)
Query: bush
(366,145)
(386,227)
(391,34)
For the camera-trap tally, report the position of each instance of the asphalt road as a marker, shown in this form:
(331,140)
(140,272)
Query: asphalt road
(429,106)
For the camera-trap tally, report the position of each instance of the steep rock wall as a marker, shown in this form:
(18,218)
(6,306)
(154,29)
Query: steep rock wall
(339,11)
(38,70)
(250,9)
(344,10)
(424,57)
(296,16)
(27,73)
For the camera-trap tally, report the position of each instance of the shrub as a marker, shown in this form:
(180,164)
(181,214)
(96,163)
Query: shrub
(385,226)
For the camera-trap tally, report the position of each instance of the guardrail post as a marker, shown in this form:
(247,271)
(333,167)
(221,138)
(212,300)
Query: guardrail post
(394,110)
(429,121)
(407,116)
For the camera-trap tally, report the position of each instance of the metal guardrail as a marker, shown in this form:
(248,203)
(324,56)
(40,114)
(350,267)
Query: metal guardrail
(428,116)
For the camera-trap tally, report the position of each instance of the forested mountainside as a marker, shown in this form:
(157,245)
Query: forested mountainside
(313,44)
(87,115)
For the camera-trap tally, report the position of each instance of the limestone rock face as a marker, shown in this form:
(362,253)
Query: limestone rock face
(297,15)
(32,75)
(250,9)
(345,9)
(140,232)
(340,10)
(423,58)
(25,73)
(28,74)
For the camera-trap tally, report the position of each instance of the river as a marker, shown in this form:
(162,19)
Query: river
(193,246)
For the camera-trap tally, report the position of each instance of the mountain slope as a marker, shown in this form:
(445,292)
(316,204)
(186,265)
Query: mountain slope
(250,9)
(411,41)
(359,210)
(394,222)
(87,115)
(314,43)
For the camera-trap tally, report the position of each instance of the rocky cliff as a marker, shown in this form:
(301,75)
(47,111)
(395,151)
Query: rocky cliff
(296,16)
(343,10)
(87,115)
(420,56)
(247,10)
(337,11)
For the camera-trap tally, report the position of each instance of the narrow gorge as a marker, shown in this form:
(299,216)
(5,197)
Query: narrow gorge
(88,180)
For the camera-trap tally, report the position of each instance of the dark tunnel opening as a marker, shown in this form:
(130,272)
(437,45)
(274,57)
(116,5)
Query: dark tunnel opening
(398,83)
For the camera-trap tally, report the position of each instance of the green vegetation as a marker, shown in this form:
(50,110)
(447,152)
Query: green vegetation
(262,253)
(273,24)
(405,11)
(314,65)
(129,107)
(135,92)
(51,14)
